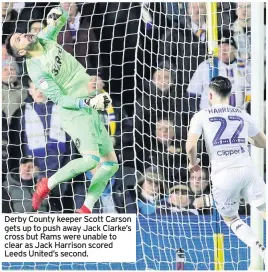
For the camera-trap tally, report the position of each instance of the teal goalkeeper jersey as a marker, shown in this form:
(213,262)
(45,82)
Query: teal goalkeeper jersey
(57,73)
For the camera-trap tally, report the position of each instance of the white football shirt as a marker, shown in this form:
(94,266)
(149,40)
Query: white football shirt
(225,130)
(237,72)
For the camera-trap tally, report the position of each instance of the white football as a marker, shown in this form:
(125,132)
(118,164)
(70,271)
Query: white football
(53,15)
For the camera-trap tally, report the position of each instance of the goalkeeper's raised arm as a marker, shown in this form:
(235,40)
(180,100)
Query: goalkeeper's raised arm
(57,73)
(65,81)
(56,19)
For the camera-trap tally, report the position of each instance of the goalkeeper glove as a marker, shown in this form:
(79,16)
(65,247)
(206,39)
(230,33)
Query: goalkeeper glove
(54,15)
(99,102)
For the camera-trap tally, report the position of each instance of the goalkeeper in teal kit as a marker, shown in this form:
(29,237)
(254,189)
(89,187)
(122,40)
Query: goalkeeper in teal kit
(64,81)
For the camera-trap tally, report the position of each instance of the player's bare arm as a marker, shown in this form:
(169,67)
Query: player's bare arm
(191,149)
(191,144)
(259,140)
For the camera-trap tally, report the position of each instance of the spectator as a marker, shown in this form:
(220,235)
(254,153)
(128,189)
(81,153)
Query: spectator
(9,19)
(79,40)
(242,30)
(119,32)
(6,203)
(185,47)
(196,19)
(173,12)
(199,184)
(35,131)
(5,56)
(31,11)
(149,191)
(74,17)
(159,96)
(153,24)
(165,150)
(8,59)
(13,94)
(168,152)
(20,185)
(36,26)
(229,66)
(178,201)
(226,13)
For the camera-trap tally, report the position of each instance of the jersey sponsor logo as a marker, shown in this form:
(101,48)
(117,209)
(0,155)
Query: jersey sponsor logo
(58,62)
(228,153)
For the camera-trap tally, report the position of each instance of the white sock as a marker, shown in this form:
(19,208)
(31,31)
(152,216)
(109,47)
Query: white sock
(52,183)
(246,235)
(89,201)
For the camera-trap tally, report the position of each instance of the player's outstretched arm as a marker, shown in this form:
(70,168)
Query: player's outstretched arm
(51,90)
(191,144)
(259,140)
(191,149)
(56,19)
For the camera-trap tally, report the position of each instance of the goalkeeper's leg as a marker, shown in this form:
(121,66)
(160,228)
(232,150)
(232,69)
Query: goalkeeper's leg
(108,168)
(80,126)
(89,161)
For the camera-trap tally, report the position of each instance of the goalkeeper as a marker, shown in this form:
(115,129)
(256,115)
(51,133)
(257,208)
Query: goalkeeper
(64,81)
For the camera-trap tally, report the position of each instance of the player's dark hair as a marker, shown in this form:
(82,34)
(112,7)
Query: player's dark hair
(10,50)
(221,85)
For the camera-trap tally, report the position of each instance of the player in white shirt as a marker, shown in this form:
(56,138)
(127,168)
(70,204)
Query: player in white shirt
(227,131)
(229,66)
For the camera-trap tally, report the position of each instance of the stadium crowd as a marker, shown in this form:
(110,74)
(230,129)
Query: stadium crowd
(157,72)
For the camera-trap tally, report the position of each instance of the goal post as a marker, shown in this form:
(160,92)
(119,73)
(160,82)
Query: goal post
(212,40)
(257,111)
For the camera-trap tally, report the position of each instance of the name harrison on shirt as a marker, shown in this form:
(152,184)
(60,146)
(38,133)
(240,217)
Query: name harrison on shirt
(224,109)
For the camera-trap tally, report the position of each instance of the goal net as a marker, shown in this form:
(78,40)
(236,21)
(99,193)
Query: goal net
(155,61)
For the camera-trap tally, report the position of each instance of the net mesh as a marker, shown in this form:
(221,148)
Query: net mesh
(152,58)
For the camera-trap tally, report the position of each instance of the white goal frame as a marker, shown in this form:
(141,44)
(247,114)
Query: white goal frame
(257,111)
